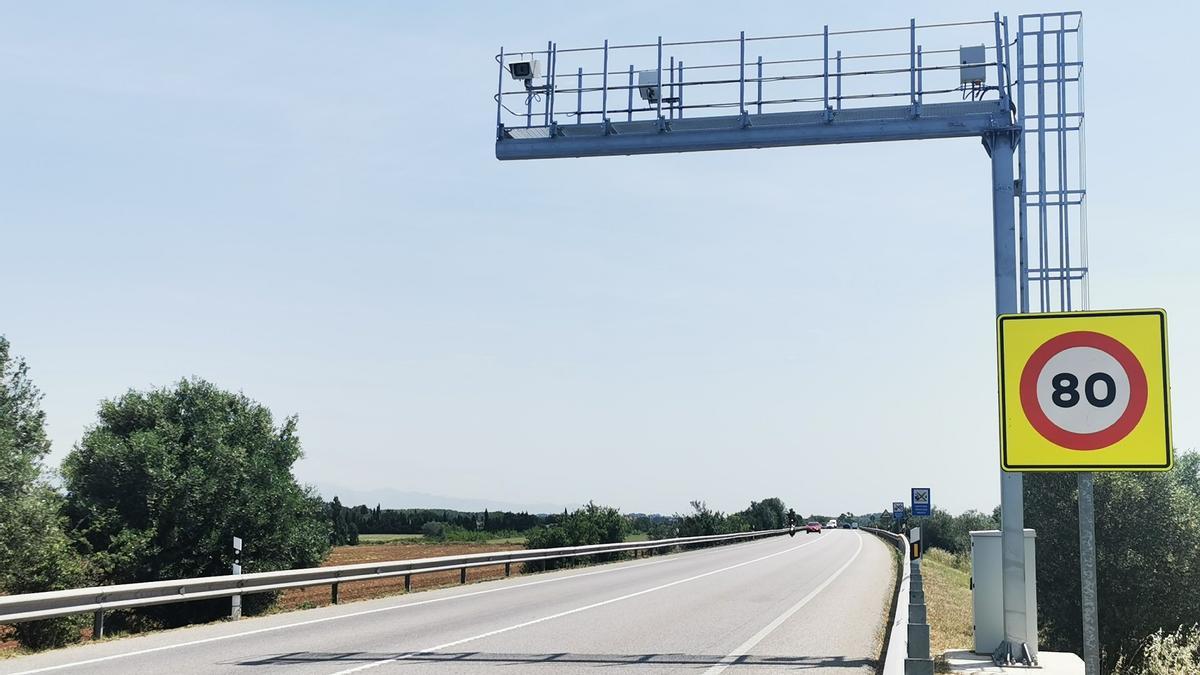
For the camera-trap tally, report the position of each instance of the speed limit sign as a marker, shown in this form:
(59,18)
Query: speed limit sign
(1084,391)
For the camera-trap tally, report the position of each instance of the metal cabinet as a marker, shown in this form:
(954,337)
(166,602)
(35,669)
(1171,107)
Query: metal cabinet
(987,590)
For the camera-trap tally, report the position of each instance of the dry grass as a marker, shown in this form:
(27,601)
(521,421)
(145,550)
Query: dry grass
(316,596)
(948,602)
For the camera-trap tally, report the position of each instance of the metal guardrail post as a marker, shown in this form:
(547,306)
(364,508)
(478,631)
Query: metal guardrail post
(918,660)
(98,624)
(507,569)
(407,583)
(462,576)
(333,593)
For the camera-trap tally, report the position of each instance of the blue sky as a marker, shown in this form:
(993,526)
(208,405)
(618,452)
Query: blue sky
(300,201)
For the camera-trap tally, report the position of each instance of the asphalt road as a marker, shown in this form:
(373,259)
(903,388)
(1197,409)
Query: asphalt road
(814,603)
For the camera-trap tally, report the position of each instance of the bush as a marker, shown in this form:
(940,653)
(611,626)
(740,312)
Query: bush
(434,530)
(591,524)
(1164,654)
(165,480)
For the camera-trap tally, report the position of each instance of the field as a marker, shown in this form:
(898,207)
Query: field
(316,596)
(948,598)
(387,538)
(374,539)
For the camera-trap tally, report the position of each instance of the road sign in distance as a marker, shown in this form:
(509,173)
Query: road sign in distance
(921,503)
(898,510)
(1084,391)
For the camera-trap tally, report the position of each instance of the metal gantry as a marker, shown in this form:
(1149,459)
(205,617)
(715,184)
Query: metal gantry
(908,82)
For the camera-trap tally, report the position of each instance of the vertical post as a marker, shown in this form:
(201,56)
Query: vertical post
(462,576)
(552,79)
(671,90)
(1087,575)
(549,72)
(658,84)
(912,62)
(1023,211)
(507,569)
(98,624)
(920,78)
(579,96)
(759,78)
(839,79)
(680,104)
(407,583)
(604,93)
(500,96)
(235,603)
(333,593)
(999,59)
(825,71)
(1012,499)
(742,73)
(629,114)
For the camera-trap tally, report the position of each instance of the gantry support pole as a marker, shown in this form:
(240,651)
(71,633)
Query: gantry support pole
(1000,145)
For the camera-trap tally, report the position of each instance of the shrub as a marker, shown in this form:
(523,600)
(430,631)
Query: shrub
(1164,654)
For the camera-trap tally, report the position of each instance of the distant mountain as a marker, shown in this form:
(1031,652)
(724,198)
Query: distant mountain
(403,499)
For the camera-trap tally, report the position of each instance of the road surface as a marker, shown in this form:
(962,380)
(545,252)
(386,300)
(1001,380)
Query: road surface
(814,603)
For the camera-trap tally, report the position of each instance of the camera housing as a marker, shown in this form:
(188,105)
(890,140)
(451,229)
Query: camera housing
(525,69)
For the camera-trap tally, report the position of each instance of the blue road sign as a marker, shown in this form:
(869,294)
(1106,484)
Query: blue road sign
(921,503)
(897,510)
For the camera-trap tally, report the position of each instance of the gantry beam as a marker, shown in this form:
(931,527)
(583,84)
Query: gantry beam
(773,130)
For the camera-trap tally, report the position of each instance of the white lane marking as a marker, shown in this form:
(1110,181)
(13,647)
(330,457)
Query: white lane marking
(746,646)
(524,624)
(297,624)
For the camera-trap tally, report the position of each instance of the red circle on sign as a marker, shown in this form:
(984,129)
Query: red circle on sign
(1068,439)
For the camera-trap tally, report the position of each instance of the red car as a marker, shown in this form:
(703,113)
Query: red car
(812,527)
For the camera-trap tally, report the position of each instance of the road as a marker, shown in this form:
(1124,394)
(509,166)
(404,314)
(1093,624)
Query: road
(813,602)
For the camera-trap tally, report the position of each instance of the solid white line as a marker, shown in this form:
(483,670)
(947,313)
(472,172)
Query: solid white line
(550,617)
(309,622)
(758,637)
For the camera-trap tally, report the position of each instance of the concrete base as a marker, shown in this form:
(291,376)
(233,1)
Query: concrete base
(1049,663)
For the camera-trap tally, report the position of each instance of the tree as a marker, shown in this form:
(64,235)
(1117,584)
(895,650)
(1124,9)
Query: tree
(769,514)
(35,553)
(166,478)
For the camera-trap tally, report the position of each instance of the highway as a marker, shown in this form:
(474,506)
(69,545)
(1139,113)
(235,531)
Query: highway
(814,603)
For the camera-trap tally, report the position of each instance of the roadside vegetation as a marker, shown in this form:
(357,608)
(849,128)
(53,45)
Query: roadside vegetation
(947,579)
(1148,562)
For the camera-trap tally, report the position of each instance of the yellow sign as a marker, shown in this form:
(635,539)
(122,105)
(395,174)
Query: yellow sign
(1085,391)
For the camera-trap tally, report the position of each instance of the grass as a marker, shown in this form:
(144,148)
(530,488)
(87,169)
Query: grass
(947,581)
(377,539)
(387,538)
(637,536)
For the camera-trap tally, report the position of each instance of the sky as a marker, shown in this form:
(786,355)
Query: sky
(300,201)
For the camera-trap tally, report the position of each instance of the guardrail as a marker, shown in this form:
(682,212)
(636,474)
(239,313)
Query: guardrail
(98,599)
(908,641)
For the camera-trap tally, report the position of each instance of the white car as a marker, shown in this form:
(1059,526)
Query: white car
(832,525)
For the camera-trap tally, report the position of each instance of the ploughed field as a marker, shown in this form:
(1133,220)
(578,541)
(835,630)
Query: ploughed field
(316,596)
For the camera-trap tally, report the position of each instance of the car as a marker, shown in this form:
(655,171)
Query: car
(812,527)
(854,526)
(845,526)
(832,524)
